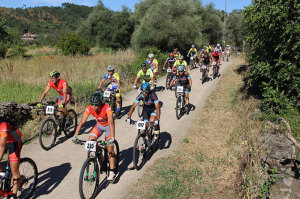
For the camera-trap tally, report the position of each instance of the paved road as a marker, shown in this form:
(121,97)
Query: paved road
(59,168)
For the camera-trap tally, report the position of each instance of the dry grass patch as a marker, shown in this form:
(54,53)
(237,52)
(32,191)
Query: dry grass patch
(207,164)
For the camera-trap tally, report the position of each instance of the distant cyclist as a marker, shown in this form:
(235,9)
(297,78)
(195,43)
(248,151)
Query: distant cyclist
(11,139)
(180,62)
(146,75)
(206,60)
(151,108)
(153,65)
(105,124)
(185,80)
(216,58)
(176,53)
(193,53)
(113,86)
(169,61)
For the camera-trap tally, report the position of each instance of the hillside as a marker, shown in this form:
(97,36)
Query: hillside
(46,21)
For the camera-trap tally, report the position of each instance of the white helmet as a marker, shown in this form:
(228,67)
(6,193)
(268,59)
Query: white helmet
(193,46)
(151,56)
(218,45)
(110,68)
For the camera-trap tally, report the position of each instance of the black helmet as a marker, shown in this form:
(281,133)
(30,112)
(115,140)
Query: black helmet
(96,99)
(143,65)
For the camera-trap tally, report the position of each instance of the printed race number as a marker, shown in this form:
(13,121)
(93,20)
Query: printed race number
(214,63)
(203,67)
(141,125)
(169,70)
(50,110)
(90,146)
(179,89)
(106,93)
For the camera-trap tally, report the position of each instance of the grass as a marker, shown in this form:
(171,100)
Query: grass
(209,166)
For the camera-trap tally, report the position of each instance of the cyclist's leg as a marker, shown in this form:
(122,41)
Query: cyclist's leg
(153,117)
(110,149)
(14,161)
(118,97)
(95,133)
(186,94)
(59,101)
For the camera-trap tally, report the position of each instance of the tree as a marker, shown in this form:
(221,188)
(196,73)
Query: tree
(71,44)
(235,28)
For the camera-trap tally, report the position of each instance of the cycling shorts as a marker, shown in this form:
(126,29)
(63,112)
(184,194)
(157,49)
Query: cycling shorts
(154,70)
(98,130)
(60,99)
(185,88)
(116,88)
(147,114)
(14,151)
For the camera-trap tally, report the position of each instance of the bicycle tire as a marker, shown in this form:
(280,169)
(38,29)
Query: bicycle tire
(203,76)
(84,176)
(69,131)
(138,150)
(214,72)
(52,135)
(168,82)
(117,152)
(178,107)
(154,143)
(140,109)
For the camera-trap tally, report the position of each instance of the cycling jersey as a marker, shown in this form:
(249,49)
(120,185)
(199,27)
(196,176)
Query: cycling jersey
(177,63)
(146,77)
(183,79)
(14,140)
(152,64)
(193,51)
(209,49)
(216,56)
(112,78)
(171,61)
(148,104)
(100,114)
(176,55)
(59,86)
(206,59)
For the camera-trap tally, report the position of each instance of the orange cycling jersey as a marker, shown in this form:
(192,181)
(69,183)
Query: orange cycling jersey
(100,114)
(12,134)
(59,86)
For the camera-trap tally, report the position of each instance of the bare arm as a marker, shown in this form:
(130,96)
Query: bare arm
(81,123)
(158,110)
(132,109)
(101,82)
(190,82)
(111,124)
(44,94)
(152,81)
(2,146)
(65,94)
(136,80)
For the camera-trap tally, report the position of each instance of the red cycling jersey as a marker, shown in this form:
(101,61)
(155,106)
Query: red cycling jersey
(7,130)
(216,56)
(59,86)
(100,114)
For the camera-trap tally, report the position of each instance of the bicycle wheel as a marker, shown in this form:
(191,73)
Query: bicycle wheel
(89,178)
(214,72)
(47,135)
(168,82)
(178,107)
(140,148)
(203,76)
(140,109)
(29,176)
(117,152)
(154,143)
(71,123)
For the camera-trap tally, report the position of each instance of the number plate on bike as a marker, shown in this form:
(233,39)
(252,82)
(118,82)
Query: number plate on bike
(203,67)
(192,58)
(106,93)
(179,89)
(90,146)
(50,110)
(169,70)
(141,125)
(214,63)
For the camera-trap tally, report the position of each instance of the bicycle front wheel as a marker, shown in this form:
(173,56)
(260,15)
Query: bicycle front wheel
(71,123)
(47,135)
(89,178)
(140,109)
(178,107)
(29,175)
(140,148)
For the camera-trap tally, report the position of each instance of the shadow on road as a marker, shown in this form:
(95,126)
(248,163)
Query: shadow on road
(50,178)
(165,140)
(191,107)
(124,111)
(160,88)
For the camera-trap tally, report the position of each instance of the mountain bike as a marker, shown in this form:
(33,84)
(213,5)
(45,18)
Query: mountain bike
(215,70)
(192,64)
(111,99)
(204,74)
(95,164)
(143,142)
(170,75)
(48,131)
(28,181)
(180,102)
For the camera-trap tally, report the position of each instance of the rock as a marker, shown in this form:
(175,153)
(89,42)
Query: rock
(286,188)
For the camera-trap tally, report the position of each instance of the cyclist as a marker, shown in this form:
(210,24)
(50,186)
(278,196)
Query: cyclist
(227,51)
(176,53)
(146,75)
(206,60)
(219,47)
(61,86)
(105,124)
(193,53)
(209,48)
(11,139)
(216,58)
(180,62)
(151,108)
(169,61)
(113,86)
(153,65)
(185,80)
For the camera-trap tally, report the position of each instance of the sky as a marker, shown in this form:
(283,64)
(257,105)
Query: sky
(115,4)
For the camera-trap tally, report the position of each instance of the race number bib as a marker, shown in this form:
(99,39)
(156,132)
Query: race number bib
(214,63)
(169,70)
(141,125)
(50,110)
(106,93)
(203,67)
(192,58)
(179,89)
(90,146)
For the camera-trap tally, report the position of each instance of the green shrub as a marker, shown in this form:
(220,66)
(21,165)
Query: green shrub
(72,44)
(16,51)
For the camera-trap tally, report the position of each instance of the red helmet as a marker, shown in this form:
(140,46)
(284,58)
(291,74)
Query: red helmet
(171,54)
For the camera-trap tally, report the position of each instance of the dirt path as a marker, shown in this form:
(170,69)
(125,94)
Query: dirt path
(59,168)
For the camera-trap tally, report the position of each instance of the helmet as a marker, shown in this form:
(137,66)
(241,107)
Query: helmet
(202,50)
(227,45)
(96,98)
(143,65)
(146,87)
(181,68)
(180,57)
(171,55)
(54,74)
(110,68)
(151,56)
(193,46)
(218,45)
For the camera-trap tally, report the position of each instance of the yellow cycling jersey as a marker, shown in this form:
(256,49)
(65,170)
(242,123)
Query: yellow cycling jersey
(146,77)
(193,51)
(177,63)
(112,78)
